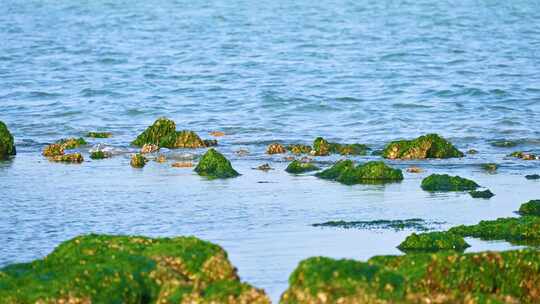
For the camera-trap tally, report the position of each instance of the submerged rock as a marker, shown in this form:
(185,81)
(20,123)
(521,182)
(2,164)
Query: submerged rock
(531,207)
(75,158)
(491,167)
(504,143)
(397,225)
(210,142)
(138,160)
(297,167)
(532,176)
(472,151)
(482,194)
(160,158)
(523,229)
(443,277)
(264,167)
(72,143)
(7,144)
(433,241)
(99,134)
(415,170)
(53,150)
(299,149)
(275,148)
(523,155)
(368,173)
(214,165)
(427,146)
(163,134)
(100,154)
(149,148)
(445,182)
(128,269)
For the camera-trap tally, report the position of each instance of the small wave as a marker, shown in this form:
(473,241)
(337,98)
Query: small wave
(93,92)
(402,105)
(41,94)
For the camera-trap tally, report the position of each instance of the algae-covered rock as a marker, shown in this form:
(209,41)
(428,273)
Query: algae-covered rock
(132,270)
(210,142)
(7,145)
(396,225)
(427,146)
(72,143)
(53,150)
(99,134)
(521,229)
(531,207)
(481,194)
(491,167)
(75,158)
(299,149)
(433,241)
(163,134)
(504,143)
(276,148)
(523,155)
(321,147)
(368,173)
(100,154)
(149,148)
(443,277)
(214,165)
(336,170)
(297,167)
(138,160)
(472,151)
(445,182)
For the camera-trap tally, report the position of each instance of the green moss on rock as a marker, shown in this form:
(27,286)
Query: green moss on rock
(443,277)
(482,194)
(371,172)
(504,143)
(427,146)
(531,207)
(321,147)
(336,170)
(53,150)
(163,134)
(433,241)
(299,149)
(521,229)
(72,143)
(276,148)
(138,160)
(75,158)
(99,134)
(491,167)
(100,155)
(297,167)
(214,165)
(397,225)
(445,182)
(122,269)
(7,145)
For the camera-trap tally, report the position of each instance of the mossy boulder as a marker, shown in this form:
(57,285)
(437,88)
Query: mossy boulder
(163,134)
(138,160)
(525,229)
(443,277)
(214,165)
(297,167)
(445,182)
(7,145)
(99,134)
(124,269)
(372,172)
(531,207)
(100,154)
(427,146)
(482,194)
(72,143)
(74,158)
(53,150)
(322,147)
(299,149)
(275,148)
(433,241)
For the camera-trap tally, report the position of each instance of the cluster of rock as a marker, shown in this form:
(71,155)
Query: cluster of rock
(320,147)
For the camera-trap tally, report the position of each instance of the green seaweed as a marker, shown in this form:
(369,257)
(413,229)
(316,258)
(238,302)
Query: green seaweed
(122,269)
(521,229)
(481,194)
(163,134)
(99,134)
(336,170)
(299,149)
(491,167)
(7,144)
(75,158)
(433,241)
(321,147)
(531,207)
(138,160)
(368,173)
(445,182)
(504,143)
(72,143)
(53,150)
(396,225)
(99,155)
(214,165)
(427,146)
(297,167)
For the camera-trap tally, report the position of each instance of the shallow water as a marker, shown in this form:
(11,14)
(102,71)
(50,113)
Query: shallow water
(352,71)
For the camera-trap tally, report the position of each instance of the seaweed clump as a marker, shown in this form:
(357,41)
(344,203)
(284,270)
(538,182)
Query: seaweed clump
(396,225)
(322,147)
(214,165)
(481,194)
(100,154)
(525,229)
(368,173)
(72,143)
(443,277)
(297,167)
(7,145)
(138,160)
(299,149)
(433,241)
(531,207)
(128,269)
(163,134)
(427,146)
(99,134)
(445,182)
(276,148)
(74,158)
(53,150)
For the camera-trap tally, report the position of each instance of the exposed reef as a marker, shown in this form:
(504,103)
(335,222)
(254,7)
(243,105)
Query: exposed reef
(396,225)
(433,241)
(297,167)
(445,182)
(427,146)
(481,194)
(523,230)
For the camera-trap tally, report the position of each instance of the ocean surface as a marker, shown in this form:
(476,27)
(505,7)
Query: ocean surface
(262,71)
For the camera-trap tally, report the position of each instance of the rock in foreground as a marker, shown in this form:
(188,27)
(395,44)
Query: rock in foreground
(445,182)
(427,146)
(214,165)
(7,145)
(530,208)
(446,277)
(121,269)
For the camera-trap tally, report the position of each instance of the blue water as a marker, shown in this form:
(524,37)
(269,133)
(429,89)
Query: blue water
(288,71)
